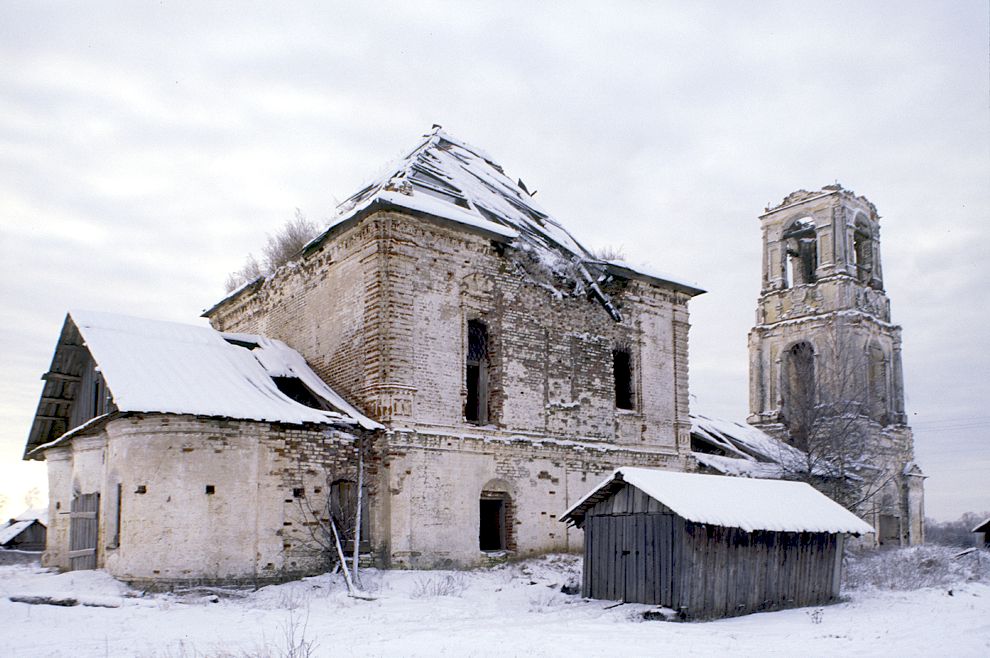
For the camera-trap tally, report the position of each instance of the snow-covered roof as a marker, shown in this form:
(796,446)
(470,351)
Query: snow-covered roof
(744,441)
(167,367)
(39,513)
(982,527)
(449,179)
(746,503)
(10,530)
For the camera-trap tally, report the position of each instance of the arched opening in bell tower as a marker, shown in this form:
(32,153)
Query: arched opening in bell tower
(801,252)
(799,400)
(863,251)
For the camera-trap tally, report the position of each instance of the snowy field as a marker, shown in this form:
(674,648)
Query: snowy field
(511,610)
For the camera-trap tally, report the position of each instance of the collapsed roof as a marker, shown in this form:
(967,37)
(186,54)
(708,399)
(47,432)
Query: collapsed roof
(732,448)
(151,366)
(448,179)
(746,503)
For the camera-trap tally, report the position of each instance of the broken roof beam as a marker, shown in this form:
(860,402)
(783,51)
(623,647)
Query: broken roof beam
(62,376)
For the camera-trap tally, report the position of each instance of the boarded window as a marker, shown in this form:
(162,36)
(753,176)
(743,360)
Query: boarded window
(623,372)
(476,373)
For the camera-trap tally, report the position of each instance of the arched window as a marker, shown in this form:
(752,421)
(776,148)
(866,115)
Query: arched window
(801,252)
(863,251)
(476,373)
(799,403)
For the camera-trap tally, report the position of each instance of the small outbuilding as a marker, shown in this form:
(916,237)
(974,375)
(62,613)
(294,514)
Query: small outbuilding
(25,532)
(711,546)
(985,529)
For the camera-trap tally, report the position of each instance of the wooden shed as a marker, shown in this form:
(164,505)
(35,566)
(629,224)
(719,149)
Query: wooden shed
(711,546)
(985,529)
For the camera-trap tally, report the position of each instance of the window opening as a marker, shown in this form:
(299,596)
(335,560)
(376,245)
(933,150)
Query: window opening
(799,405)
(476,366)
(492,532)
(623,373)
(800,253)
(863,254)
(293,388)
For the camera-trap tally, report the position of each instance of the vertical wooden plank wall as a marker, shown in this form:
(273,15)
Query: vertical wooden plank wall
(637,550)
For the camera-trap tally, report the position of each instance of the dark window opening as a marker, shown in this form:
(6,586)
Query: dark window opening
(297,492)
(210,490)
(492,533)
(801,253)
(293,388)
(623,372)
(863,254)
(476,373)
(799,406)
(141,489)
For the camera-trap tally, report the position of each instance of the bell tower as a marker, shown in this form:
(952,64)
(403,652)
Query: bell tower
(825,359)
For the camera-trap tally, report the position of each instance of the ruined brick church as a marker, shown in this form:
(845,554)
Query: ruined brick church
(449,355)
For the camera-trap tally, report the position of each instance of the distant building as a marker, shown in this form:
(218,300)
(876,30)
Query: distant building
(26,532)
(985,529)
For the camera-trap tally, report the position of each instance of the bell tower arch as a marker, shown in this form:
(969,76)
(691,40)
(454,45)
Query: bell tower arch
(823,346)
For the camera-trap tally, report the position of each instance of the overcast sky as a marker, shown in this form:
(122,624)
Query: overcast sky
(146,148)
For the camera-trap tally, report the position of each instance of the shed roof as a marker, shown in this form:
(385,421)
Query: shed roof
(746,503)
(10,530)
(982,527)
(167,367)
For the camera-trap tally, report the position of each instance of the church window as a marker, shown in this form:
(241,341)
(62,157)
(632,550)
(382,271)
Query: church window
(799,403)
(863,252)
(476,373)
(800,253)
(623,374)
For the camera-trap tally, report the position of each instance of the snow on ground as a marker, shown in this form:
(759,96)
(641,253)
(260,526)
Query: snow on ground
(511,610)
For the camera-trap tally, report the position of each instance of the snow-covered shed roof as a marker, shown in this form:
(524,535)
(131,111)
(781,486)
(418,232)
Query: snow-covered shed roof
(10,530)
(168,367)
(746,503)
(982,527)
(34,513)
(449,180)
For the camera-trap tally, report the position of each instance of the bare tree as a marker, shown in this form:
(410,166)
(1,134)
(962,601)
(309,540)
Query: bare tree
(280,248)
(831,412)
(333,515)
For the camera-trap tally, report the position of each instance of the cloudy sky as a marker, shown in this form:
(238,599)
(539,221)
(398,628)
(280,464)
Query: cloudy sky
(147,147)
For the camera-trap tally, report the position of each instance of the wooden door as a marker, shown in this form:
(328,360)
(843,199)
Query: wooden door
(84,523)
